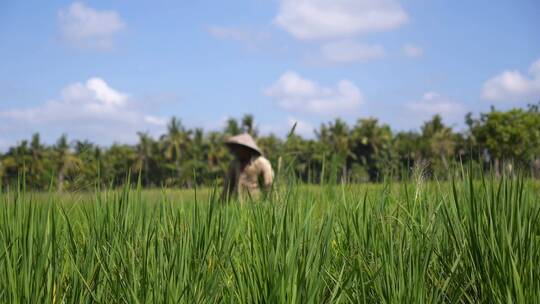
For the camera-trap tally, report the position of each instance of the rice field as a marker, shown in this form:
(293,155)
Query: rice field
(462,241)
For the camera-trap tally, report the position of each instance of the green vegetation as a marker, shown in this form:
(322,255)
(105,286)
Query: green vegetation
(417,241)
(435,234)
(364,152)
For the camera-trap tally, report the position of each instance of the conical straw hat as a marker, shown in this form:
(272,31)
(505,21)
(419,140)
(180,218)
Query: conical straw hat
(244,140)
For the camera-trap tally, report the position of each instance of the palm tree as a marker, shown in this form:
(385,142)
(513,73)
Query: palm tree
(406,145)
(144,156)
(216,154)
(195,165)
(117,162)
(248,125)
(36,166)
(334,137)
(89,170)
(9,167)
(22,159)
(66,160)
(83,147)
(372,146)
(438,141)
(175,143)
(443,145)
(232,128)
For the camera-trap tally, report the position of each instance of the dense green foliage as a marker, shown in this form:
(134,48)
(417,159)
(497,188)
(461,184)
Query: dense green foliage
(363,152)
(462,241)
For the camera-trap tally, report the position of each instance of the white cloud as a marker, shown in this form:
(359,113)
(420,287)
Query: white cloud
(292,92)
(320,19)
(84,27)
(153,120)
(535,68)
(433,103)
(91,110)
(513,86)
(349,51)
(412,50)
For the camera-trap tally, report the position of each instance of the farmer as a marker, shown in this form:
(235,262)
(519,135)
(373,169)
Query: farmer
(248,172)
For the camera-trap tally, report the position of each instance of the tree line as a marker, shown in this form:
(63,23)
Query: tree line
(367,151)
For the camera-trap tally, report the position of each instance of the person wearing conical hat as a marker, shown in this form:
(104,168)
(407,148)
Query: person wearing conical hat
(249,171)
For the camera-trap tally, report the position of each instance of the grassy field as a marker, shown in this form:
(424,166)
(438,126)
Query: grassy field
(412,242)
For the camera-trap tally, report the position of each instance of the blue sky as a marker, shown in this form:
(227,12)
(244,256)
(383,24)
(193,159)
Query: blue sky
(103,70)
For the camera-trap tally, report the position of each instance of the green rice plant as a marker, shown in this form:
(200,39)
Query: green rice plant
(471,240)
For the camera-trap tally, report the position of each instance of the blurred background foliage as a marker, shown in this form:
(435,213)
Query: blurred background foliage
(367,151)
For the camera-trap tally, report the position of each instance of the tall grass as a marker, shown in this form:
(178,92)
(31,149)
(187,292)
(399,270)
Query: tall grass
(466,241)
